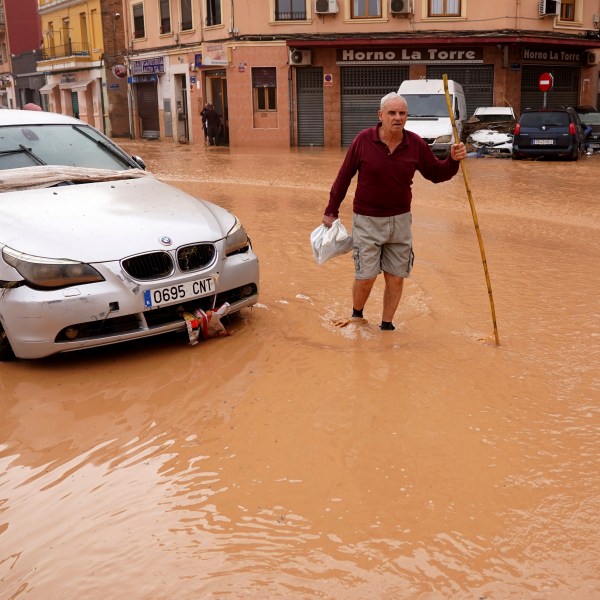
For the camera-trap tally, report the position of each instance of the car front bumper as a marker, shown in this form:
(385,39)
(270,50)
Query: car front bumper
(40,323)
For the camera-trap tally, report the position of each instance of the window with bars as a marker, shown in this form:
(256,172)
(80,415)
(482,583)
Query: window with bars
(567,10)
(139,29)
(366,9)
(213,13)
(165,16)
(264,88)
(186,15)
(290,10)
(444,8)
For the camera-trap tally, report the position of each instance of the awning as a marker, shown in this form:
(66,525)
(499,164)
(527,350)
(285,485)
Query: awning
(47,89)
(75,85)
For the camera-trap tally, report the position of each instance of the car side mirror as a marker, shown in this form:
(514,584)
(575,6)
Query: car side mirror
(140,162)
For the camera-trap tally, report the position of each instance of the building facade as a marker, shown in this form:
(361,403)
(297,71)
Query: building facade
(83,51)
(312,72)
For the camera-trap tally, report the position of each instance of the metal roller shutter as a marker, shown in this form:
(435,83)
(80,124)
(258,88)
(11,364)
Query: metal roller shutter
(147,97)
(477,82)
(362,90)
(311,129)
(564,92)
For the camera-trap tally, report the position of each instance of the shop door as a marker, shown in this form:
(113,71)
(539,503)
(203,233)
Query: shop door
(182,108)
(564,92)
(75,104)
(477,82)
(362,90)
(147,102)
(218,98)
(311,126)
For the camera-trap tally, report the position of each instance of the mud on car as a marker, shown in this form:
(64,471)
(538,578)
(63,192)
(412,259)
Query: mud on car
(94,250)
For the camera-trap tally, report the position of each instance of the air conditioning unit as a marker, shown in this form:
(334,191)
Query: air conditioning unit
(549,7)
(401,7)
(300,57)
(326,7)
(592,58)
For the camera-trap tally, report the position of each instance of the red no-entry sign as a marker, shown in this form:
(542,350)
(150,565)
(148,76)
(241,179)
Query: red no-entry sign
(545,82)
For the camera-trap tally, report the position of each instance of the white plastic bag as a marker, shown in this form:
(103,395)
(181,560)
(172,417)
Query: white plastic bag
(328,242)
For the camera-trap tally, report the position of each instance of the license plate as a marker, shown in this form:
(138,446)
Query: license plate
(180,292)
(542,142)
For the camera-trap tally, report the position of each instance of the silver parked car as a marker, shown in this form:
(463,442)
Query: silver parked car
(94,250)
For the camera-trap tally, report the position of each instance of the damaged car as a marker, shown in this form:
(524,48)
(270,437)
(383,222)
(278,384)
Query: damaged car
(490,130)
(94,250)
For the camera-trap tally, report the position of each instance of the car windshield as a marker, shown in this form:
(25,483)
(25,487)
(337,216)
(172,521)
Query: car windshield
(545,119)
(426,105)
(495,118)
(592,118)
(64,145)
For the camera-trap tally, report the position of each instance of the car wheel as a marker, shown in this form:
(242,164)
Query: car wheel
(6,352)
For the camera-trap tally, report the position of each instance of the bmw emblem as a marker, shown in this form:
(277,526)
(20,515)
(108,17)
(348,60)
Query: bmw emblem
(165,240)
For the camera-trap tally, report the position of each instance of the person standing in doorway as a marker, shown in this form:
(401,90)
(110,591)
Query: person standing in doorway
(213,126)
(386,157)
(204,126)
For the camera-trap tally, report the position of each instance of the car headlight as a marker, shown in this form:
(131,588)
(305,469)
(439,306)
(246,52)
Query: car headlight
(443,139)
(237,239)
(50,273)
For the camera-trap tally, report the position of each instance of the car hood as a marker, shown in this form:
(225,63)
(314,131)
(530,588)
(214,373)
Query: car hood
(105,221)
(429,127)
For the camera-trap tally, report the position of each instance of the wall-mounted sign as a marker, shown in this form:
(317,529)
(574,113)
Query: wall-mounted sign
(147,65)
(214,54)
(328,79)
(409,56)
(142,79)
(68,78)
(198,60)
(552,55)
(119,71)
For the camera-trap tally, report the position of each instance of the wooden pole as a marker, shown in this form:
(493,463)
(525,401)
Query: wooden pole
(473,212)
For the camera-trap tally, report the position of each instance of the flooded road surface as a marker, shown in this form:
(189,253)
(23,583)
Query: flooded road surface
(297,460)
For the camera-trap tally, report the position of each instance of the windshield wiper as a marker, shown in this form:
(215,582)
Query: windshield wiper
(104,145)
(27,151)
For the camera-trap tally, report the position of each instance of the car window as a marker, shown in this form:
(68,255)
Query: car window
(427,105)
(65,145)
(545,119)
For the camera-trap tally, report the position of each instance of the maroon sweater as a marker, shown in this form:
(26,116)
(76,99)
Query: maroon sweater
(384,179)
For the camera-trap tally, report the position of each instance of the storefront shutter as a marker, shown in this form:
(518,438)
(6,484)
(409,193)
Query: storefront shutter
(309,84)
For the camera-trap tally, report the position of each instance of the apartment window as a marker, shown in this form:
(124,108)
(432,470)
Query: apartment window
(186,15)
(213,12)
(264,88)
(290,10)
(365,9)
(444,8)
(567,10)
(139,30)
(165,16)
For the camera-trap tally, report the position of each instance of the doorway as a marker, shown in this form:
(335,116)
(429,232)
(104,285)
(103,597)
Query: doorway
(216,84)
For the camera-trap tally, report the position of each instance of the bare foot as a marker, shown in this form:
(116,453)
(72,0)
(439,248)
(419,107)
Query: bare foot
(345,322)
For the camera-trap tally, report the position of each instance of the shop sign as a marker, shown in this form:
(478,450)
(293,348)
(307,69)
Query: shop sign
(68,78)
(142,79)
(552,55)
(147,66)
(409,56)
(214,54)
(198,60)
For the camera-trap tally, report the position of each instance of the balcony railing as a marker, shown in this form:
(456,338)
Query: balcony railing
(286,15)
(71,49)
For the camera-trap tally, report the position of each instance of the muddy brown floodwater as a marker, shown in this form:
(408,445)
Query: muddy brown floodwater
(297,460)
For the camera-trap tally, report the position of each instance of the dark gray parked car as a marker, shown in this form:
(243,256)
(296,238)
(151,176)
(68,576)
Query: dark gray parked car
(549,133)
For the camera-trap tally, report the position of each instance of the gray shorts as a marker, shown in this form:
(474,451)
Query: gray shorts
(382,244)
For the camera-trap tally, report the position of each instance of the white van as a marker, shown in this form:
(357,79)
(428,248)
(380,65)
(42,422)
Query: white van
(428,111)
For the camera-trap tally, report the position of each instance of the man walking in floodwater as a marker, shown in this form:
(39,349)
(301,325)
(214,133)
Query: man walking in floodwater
(386,157)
